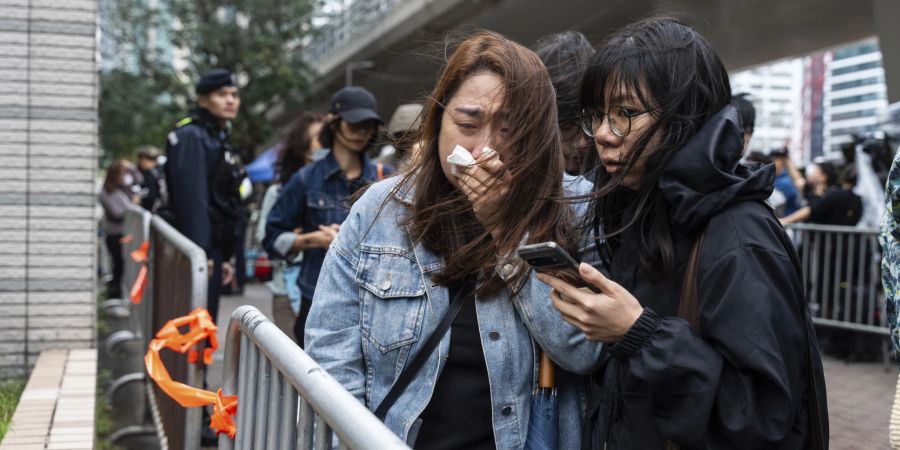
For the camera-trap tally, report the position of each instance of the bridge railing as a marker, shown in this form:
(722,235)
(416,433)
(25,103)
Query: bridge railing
(285,400)
(354,19)
(841,269)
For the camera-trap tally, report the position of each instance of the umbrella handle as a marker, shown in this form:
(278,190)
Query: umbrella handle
(546,372)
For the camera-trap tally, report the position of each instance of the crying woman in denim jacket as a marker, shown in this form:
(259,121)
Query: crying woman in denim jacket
(433,237)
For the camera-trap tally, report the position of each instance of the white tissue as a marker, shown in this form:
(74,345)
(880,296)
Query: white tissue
(460,157)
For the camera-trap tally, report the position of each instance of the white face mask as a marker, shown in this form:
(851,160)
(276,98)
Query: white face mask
(128,179)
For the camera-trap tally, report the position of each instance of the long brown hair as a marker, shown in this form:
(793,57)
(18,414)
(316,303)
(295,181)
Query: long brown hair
(295,150)
(114,174)
(441,216)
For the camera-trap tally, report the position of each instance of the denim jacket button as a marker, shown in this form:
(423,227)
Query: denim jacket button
(506,411)
(386,285)
(495,336)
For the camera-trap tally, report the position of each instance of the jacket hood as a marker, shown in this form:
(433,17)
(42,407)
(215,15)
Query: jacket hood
(707,175)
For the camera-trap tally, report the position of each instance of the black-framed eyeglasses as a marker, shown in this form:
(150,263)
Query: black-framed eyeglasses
(619,120)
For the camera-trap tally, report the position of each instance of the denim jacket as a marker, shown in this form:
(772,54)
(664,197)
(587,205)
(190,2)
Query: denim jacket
(376,306)
(316,195)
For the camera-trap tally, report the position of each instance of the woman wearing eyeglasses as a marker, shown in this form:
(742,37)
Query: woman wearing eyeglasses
(710,351)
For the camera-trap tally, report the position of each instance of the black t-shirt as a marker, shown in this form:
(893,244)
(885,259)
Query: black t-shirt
(836,207)
(459,413)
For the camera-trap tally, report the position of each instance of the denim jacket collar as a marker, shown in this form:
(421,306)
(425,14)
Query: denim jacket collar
(404,190)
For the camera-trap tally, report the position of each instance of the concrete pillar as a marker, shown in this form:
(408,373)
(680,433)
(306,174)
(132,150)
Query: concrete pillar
(48,159)
(887,27)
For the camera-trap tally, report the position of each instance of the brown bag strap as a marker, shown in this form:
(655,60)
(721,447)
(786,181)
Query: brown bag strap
(688,304)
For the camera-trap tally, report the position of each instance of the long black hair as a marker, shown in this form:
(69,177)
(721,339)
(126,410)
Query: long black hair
(296,147)
(675,74)
(566,56)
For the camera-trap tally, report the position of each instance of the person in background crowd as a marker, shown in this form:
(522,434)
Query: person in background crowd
(154,187)
(203,175)
(314,202)
(748,116)
(399,151)
(295,152)
(117,193)
(831,199)
(788,180)
(566,56)
(777,199)
(416,244)
(732,363)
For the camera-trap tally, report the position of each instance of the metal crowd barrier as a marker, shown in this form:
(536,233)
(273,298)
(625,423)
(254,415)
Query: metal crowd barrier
(841,268)
(267,370)
(178,283)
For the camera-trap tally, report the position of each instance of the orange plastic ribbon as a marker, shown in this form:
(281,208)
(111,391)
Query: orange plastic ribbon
(139,255)
(201,328)
(126,239)
(140,283)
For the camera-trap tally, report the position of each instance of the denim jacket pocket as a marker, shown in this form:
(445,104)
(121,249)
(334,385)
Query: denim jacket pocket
(393,297)
(323,209)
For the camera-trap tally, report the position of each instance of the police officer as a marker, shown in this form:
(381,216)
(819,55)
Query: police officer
(153,188)
(203,175)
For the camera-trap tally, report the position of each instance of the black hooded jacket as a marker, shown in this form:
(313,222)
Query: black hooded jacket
(744,382)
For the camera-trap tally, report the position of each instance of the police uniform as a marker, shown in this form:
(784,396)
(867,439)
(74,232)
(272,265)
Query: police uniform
(204,175)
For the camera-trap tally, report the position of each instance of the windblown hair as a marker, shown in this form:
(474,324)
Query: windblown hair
(442,217)
(566,56)
(295,149)
(677,76)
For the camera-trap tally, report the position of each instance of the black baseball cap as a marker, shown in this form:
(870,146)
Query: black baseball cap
(355,104)
(214,80)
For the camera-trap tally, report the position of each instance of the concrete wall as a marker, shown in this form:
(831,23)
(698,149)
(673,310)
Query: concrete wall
(48,159)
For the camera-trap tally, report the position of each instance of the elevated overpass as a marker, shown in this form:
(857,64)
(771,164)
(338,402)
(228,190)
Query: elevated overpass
(405,39)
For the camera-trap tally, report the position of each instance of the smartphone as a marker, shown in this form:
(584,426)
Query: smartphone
(551,259)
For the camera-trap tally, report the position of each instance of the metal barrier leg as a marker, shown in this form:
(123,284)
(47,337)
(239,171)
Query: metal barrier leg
(274,410)
(248,396)
(305,426)
(262,397)
(288,427)
(323,434)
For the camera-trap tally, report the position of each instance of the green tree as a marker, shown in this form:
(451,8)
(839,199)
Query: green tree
(156,51)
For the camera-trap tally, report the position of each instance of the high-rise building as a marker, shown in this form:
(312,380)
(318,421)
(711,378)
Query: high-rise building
(813,107)
(854,93)
(776,92)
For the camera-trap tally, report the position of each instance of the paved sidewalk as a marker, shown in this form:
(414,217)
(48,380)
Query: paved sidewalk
(56,410)
(860,396)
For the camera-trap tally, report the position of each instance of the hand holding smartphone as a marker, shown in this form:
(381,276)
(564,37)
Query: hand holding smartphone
(553,260)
